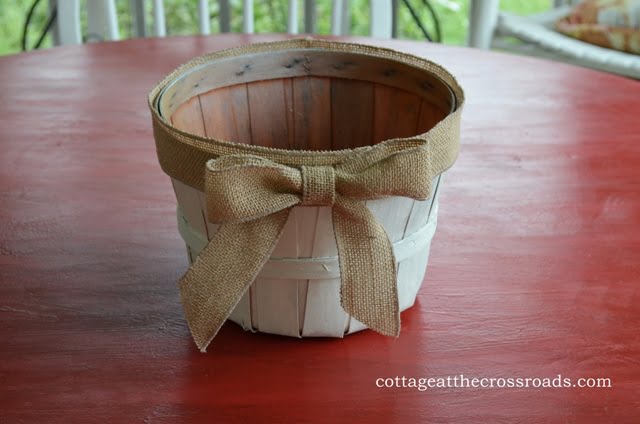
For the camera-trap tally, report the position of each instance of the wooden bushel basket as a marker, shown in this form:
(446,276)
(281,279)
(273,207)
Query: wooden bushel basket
(315,100)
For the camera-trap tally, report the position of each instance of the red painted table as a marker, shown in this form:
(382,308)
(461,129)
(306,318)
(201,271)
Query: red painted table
(535,267)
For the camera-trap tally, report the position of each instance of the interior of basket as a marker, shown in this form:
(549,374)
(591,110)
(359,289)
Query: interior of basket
(306,100)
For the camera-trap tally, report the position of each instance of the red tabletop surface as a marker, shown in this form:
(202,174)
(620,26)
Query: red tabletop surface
(534,270)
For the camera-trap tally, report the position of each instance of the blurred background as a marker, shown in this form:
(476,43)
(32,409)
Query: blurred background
(270,16)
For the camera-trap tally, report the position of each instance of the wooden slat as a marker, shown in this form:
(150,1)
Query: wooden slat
(253,305)
(395,113)
(348,67)
(267,108)
(241,315)
(225,112)
(411,273)
(421,210)
(392,213)
(312,113)
(354,326)
(212,229)
(287,87)
(277,299)
(189,202)
(188,117)
(306,222)
(351,113)
(412,270)
(429,116)
(324,316)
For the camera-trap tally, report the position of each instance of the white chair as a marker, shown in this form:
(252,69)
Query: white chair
(488,27)
(103,21)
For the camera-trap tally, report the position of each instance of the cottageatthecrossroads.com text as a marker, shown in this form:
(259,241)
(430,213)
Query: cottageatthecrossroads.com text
(463,382)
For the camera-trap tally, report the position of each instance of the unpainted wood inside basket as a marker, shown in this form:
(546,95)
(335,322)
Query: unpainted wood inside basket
(307,113)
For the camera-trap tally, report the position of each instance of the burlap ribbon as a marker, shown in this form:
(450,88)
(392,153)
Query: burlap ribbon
(251,190)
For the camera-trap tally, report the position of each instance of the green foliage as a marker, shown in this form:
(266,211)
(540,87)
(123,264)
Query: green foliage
(270,16)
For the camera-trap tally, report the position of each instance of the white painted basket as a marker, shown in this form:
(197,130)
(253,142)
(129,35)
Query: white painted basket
(301,297)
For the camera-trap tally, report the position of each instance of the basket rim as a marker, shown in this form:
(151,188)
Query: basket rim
(218,147)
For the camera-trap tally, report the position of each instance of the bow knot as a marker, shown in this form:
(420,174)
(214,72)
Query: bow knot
(318,185)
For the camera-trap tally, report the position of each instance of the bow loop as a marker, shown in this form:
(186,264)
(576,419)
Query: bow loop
(396,168)
(241,188)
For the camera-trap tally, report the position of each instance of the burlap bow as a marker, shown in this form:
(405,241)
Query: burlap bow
(252,197)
